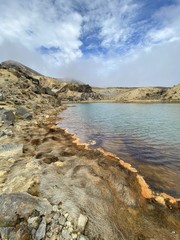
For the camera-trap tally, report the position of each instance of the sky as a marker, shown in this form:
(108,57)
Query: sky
(103,43)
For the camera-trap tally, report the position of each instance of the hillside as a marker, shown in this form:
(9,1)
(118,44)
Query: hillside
(143,94)
(64,90)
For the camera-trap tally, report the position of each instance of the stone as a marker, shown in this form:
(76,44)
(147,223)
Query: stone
(27,116)
(62,220)
(56,216)
(66,235)
(2,133)
(15,206)
(82,237)
(23,113)
(41,231)
(55,208)
(68,224)
(7,116)
(33,222)
(11,150)
(74,236)
(82,221)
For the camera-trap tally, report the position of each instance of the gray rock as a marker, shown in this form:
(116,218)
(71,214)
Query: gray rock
(82,237)
(41,231)
(82,221)
(11,149)
(7,116)
(23,113)
(62,220)
(20,205)
(66,235)
(27,116)
(2,133)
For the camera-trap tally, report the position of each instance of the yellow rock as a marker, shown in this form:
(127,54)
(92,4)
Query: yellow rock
(2,173)
(58,164)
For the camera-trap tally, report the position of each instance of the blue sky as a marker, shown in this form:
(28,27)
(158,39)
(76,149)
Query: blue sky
(100,42)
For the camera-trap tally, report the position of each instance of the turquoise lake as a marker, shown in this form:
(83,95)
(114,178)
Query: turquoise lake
(145,135)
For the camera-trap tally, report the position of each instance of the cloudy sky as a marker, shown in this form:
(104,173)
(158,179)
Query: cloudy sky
(100,42)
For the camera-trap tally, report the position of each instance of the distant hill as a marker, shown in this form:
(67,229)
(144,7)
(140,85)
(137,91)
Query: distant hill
(19,66)
(75,91)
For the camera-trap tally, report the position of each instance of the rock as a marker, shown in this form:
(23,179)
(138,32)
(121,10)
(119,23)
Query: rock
(66,235)
(82,237)
(62,220)
(7,116)
(2,133)
(17,206)
(74,236)
(55,208)
(82,221)
(41,231)
(11,149)
(28,116)
(33,222)
(23,113)
(2,97)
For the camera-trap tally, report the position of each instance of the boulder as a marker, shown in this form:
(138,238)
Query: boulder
(17,206)
(7,116)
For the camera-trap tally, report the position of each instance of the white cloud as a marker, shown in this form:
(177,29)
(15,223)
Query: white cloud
(48,35)
(38,23)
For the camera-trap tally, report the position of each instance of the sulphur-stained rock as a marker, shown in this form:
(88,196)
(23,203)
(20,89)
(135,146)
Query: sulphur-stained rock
(82,221)
(11,149)
(17,206)
(41,231)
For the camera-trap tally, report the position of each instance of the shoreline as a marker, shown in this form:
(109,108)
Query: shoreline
(161,198)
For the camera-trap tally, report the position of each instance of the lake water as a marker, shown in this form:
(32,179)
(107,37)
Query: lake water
(145,135)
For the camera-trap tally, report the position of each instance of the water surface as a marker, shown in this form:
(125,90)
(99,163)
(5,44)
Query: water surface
(145,135)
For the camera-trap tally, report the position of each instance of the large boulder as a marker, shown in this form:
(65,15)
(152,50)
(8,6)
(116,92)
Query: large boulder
(16,206)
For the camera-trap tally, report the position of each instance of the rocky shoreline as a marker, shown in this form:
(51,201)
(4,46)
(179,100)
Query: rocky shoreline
(52,187)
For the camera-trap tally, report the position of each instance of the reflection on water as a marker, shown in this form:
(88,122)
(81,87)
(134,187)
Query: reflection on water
(146,135)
